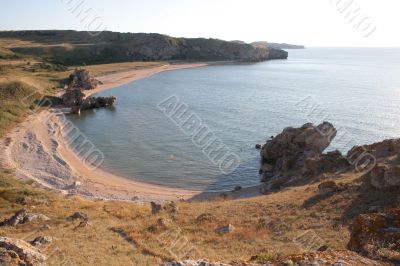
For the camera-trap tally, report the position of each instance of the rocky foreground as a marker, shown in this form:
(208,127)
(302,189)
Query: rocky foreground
(308,190)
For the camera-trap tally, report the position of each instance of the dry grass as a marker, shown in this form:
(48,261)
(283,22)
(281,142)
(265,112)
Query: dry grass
(122,233)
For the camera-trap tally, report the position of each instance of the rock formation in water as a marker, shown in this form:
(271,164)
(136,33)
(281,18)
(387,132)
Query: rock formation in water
(292,148)
(75,98)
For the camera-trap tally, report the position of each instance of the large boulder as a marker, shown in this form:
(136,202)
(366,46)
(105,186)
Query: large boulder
(291,148)
(377,235)
(19,252)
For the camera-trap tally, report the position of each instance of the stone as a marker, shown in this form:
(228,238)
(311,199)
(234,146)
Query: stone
(237,188)
(323,248)
(16,219)
(371,232)
(206,217)
(22,217)
(225,229)
(78,215)
(41,240)
(155,207)
(19,252)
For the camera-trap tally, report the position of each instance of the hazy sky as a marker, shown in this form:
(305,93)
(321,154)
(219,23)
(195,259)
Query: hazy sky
(309,22)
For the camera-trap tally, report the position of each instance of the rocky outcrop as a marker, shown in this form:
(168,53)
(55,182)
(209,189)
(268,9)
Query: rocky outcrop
(295,147)
(41,240)
(75,98)
(206,217)
(19,252)
(225,229)
(93,103)
(78,216)
(384,161)
(377,235)
(331,162)
(81,78)
(22,217)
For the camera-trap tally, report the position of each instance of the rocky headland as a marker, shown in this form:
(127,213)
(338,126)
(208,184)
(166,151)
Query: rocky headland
(75,98)
(123,47)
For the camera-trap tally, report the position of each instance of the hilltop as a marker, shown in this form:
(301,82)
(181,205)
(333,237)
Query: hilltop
(68,47)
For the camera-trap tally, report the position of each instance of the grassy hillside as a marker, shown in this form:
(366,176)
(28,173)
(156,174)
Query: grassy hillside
(125,233)
(80,48)
(119,233)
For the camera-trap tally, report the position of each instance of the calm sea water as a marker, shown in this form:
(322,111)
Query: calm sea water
(358,90)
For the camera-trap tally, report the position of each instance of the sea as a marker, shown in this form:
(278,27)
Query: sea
(197,128)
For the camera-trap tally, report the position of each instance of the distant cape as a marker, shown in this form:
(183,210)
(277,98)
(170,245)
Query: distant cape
(279,45)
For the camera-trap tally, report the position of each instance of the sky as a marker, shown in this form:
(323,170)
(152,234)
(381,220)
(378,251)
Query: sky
(348,23)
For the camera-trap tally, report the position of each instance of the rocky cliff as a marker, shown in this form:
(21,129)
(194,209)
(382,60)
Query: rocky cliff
(110,47)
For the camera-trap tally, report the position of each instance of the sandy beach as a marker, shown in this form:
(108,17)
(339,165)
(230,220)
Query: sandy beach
(37,149)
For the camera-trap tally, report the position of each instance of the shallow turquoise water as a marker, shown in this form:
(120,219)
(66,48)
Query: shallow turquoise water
(358,90)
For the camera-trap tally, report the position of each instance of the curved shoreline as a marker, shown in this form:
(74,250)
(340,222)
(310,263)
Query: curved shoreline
(37,150)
